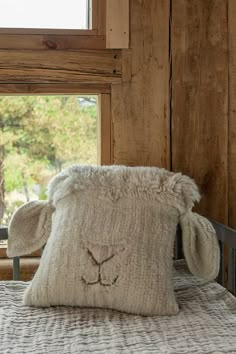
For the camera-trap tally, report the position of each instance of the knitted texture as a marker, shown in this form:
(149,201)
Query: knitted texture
(112,239)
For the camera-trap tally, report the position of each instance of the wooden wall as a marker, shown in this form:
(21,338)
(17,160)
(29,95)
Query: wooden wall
(176,105)
(200,99)
(172,93)
(140,104)
(232,112)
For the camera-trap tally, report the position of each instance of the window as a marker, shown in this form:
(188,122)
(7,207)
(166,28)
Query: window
(83,143)
(39,136)
(56,59)
(50,14)
(52,25)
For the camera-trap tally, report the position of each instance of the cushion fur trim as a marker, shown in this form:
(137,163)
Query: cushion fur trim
(120,181)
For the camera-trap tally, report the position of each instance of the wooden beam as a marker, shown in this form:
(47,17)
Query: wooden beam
(117,24)
(60,67)
(53,89)
(140,105)
(200,99)
(232,112)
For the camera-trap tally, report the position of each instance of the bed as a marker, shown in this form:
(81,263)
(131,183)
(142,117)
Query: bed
(206,322)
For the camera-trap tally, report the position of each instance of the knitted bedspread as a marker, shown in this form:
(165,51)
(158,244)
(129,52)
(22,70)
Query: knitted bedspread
(206,323)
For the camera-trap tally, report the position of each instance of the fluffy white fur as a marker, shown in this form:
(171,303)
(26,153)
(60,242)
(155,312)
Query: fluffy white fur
(111,234)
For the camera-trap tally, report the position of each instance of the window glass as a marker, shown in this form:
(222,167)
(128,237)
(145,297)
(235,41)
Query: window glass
(51,14)
(40,136)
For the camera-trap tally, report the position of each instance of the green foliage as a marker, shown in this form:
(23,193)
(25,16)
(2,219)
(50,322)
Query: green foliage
(43,194)
(10,208)
(39,135)
(19,167)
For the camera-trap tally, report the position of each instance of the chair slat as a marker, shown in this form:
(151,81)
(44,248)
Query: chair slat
(231,270)
(16,268)
(3,233)
(178,244)
(220,277)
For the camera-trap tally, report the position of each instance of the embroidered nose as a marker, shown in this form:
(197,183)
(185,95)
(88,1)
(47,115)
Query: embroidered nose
(102,254)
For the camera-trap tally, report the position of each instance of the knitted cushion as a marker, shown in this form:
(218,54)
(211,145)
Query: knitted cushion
(111,234)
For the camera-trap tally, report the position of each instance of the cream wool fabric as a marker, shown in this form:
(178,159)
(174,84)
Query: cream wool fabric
(110,236)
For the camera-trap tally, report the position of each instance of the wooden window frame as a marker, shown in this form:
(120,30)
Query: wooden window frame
(104,126)
(38,39)
(110,29)
(77,49)
(103,91)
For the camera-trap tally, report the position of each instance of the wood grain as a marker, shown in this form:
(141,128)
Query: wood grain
(99,16)
(140,105)
(232,112)
(46,31)
(117,24)
(3,252)
(54,89)
(93,15)
(60,67)
(51,42)
(200,99)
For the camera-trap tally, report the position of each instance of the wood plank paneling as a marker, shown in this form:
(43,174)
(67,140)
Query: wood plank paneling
(200,99)
(232,112)
(197,131)
(140,105)
(65,66)
(51,42)
(117,24)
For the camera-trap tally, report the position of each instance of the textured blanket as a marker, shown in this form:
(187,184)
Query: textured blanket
(206,323)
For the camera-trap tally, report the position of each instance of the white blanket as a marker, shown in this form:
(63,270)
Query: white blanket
(206,323)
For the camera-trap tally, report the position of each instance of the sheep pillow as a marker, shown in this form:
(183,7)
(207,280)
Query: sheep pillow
(109,234)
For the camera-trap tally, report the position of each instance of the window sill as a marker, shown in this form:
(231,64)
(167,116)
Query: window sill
(28,267)
(3,253)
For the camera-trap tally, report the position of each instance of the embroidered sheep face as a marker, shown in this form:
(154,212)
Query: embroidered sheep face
(107,230)
(96,260)
(107,244)
(107,234)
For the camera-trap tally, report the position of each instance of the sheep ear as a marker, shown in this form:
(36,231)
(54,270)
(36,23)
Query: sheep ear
(29,228)
(200,246)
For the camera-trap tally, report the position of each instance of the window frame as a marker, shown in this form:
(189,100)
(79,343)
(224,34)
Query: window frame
(104,121)
(102,46)
(28,38)
(103,91)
